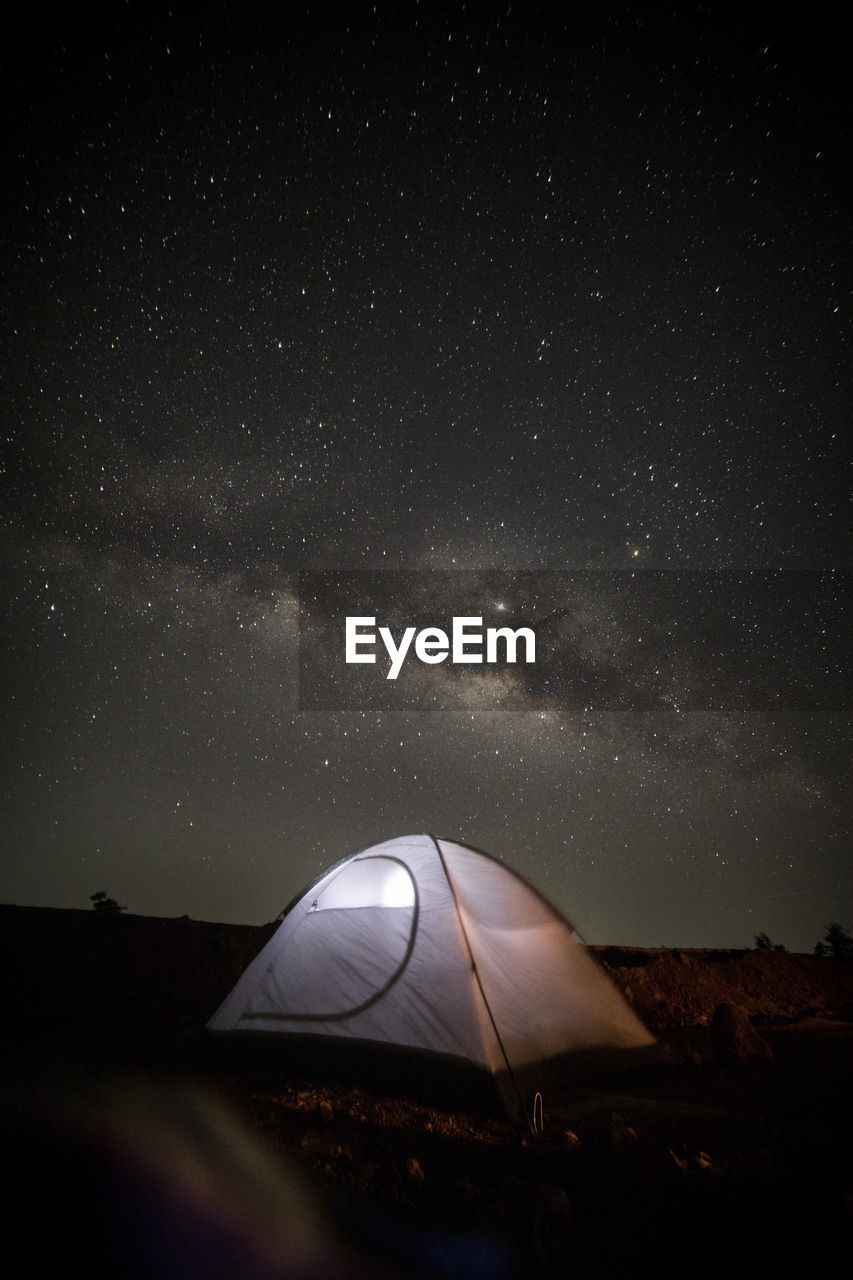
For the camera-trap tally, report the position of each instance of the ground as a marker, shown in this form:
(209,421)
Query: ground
(683,1162)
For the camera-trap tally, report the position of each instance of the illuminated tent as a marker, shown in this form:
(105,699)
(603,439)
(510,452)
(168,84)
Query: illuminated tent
(432,946)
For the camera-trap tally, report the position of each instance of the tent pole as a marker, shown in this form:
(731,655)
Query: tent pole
(475,971)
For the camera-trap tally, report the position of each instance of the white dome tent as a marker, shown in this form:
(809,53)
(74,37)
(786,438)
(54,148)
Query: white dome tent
(428,945)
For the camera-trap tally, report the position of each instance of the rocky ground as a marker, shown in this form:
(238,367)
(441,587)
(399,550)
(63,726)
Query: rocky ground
(728,1149)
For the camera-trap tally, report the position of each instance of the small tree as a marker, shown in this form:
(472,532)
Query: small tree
(102,903)
(763,943)
(836,942)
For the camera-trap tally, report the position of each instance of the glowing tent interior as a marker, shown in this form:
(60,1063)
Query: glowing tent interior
(432,946)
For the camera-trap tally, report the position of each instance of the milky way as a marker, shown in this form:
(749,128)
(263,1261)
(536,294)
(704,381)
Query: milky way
(525,313)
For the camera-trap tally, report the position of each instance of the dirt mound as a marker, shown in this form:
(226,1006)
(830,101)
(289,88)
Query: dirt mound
(116,983)
(683,987)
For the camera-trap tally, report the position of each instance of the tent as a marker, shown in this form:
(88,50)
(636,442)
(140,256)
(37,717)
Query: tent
(433,947)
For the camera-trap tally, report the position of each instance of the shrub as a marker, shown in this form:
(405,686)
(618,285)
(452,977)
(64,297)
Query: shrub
(763,943)
(102,903)
(836,942)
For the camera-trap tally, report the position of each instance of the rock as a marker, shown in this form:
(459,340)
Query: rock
(325,1114)
(622,1137)
(694,1161)
(735,1040)
(625,1145)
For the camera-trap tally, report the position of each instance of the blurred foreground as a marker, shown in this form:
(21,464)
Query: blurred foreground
(131,1156)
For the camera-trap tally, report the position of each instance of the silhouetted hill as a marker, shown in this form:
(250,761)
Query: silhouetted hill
(138,985)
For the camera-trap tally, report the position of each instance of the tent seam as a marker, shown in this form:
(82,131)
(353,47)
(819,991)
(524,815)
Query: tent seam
(476,973)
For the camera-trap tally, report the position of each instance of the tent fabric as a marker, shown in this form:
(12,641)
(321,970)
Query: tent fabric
(431,944)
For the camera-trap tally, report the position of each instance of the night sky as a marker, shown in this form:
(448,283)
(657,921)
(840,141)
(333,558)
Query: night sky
(534,314)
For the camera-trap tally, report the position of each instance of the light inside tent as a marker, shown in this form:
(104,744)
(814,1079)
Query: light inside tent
(369,882)
(397,888)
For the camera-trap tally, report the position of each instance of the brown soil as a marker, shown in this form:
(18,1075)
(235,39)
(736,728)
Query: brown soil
(684,1163)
